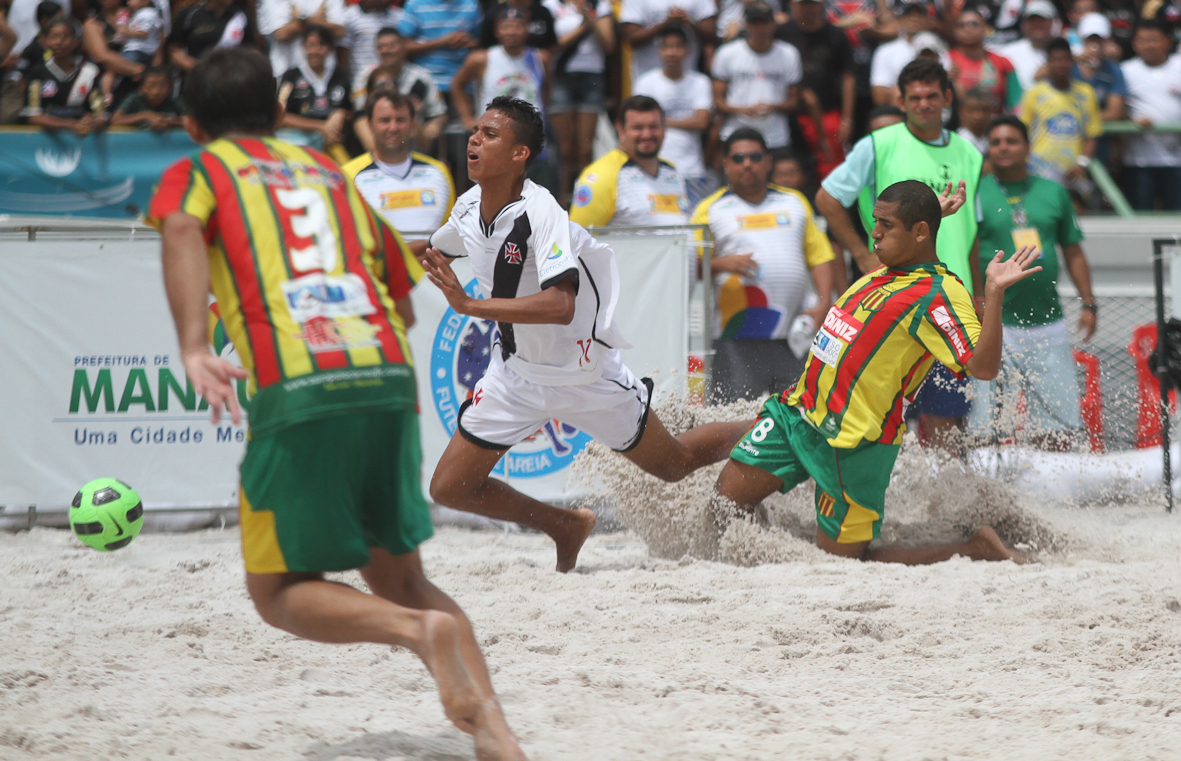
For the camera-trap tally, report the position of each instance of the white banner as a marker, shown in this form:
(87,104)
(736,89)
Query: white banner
(93,384)
(451,352)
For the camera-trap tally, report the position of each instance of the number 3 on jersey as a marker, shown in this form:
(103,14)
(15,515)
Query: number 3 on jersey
(760,431)
(310,221)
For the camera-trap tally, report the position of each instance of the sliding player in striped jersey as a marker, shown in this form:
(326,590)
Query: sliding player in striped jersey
(842,423)
(303,272)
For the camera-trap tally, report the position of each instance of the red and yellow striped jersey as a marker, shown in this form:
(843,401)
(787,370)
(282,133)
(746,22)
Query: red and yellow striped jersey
(303,272)
(875,348)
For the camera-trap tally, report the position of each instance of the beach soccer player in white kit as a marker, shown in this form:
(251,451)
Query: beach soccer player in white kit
(551,289)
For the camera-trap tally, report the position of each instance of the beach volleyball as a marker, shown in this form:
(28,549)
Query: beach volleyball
(106,514)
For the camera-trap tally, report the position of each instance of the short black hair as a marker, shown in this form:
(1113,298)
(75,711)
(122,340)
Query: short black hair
(877,112)
(1058,43)
(387,31)
(156,71)
(47,10)
(1008,120)
(57,21)
(980,95)
(916,203)
(923,69)
(785,154)
(528,126)
(674,31)
(232,90)
(640,103)
(1151,24)
(744,133)
(396,99)
(324,33)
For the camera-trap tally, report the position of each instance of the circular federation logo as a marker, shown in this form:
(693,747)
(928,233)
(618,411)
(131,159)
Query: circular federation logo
(460,353)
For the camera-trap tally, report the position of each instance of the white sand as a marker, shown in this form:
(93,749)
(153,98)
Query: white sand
(154,652)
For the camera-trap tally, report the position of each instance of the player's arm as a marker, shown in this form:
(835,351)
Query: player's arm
(472,70)
(841,226)
(186,280)
(985,361)
(552,306)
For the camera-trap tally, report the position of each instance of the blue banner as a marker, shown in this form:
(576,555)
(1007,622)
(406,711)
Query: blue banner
(109,174)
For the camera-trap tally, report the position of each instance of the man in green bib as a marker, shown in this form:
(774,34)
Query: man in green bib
(1019,210)
(918,149)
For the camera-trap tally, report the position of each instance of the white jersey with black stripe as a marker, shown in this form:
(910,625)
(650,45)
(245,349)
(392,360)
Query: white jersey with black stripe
(529,246)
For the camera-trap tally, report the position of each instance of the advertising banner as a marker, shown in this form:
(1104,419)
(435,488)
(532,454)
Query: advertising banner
(93,384)
(108,174)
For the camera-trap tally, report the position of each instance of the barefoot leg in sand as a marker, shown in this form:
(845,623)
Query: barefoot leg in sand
(311,607)
(671,458)
(984,545)
(461,481)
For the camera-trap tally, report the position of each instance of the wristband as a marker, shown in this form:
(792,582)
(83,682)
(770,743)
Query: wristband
(1092,307)
(1083,160)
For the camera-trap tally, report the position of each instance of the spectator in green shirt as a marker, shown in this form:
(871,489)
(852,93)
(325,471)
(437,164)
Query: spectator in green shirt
(1022,209)
(153,105)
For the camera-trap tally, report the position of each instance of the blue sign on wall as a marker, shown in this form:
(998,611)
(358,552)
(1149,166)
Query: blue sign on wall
(109,174)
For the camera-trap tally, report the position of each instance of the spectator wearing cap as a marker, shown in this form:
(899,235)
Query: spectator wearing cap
(1092,66)
(642,21)
(542,34)
(1152,161)
(972,66)
(827,60)
(510,68)
(1028,55)
(757,79)
(1063,119)
(891,58)
(439,34)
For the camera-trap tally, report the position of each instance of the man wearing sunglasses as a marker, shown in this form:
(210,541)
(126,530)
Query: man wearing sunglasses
(767,251)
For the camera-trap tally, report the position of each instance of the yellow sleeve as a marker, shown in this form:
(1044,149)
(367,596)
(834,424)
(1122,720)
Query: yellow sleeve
(1092,116)
(594,196)
(701,217)
(1028,104)
(354,167)
(817,248)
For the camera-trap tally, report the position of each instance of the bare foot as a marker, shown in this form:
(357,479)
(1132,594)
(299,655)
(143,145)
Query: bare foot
(494,740)
(582,523)
(986,545)
(440,652)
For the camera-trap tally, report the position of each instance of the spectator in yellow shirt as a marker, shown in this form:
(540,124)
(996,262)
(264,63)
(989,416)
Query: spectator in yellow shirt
(1063,119)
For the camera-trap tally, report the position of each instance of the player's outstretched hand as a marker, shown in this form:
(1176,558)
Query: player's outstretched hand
(438,270)
(950,202)
(211,378)
(1002,274)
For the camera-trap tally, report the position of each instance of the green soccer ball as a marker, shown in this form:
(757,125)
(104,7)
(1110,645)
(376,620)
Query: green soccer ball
(106,514)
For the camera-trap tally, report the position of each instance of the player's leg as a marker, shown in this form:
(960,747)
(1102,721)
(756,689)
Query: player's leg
(1051,391)
(671,458)
(943,403)
(461,481)
(850,502)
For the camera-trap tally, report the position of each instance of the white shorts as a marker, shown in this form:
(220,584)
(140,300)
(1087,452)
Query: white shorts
(505,409)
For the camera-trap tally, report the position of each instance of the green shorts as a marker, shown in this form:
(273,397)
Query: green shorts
(850,483)
(317,495)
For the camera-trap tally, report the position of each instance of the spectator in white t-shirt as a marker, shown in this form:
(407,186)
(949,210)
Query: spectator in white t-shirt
(283,23)
(756,80)
(687,99)
(1152,161)
(362,22)
(1028,55)
(642,21)
(890,58)
(586,35)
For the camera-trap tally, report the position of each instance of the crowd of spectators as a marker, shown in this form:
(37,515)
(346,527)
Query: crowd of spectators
(805,73)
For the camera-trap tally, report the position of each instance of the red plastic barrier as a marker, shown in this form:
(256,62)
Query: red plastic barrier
(1091,402)
(1148,420)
